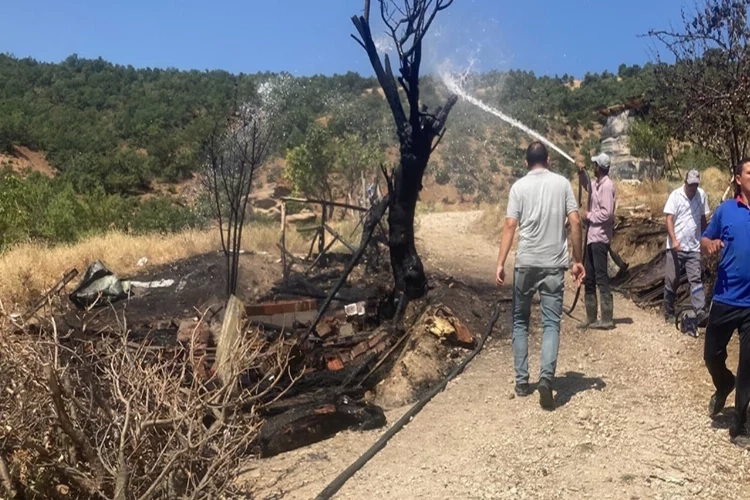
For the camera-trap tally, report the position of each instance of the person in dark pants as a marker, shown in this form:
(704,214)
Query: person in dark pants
(728,233)
(601,225)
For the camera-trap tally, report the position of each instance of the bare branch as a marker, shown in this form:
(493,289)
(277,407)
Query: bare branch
(62,415)
(6,479)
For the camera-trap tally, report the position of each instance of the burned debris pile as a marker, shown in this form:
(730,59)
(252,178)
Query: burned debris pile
(645,283)
(307,383)
(644,240)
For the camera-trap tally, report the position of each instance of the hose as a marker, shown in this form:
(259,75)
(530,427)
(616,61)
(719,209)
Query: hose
(585,247)
(342,478)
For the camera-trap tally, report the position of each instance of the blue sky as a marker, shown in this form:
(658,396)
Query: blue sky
(307,37)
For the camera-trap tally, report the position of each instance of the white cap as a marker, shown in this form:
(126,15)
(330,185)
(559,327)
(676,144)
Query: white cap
(693,177)
(602,159)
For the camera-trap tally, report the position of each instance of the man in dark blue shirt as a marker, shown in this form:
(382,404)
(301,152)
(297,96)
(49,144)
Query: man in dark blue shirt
(729,233)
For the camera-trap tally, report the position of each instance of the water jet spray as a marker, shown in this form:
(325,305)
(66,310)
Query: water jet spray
(454,86)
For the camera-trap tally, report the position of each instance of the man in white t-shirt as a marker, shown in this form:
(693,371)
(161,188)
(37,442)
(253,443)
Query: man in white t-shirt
(686,211)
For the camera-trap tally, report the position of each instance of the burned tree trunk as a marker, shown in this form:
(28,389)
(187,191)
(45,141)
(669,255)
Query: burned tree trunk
(404,186)
(419,131)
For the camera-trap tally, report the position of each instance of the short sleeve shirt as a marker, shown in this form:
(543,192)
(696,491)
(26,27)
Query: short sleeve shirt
(731,224)
(687,218)
(540,202)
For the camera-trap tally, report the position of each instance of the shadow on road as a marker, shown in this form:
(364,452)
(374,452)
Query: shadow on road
(573,383)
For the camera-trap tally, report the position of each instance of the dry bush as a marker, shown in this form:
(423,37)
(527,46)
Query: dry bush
(106,418)
(653,194)
(714,182)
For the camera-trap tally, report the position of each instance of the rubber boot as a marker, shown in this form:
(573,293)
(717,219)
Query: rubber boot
(669,312)
(606,323)
(591,309)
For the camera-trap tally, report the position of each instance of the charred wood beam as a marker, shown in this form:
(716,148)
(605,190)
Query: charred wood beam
(313,295)
(319,257)
(289,255)
(326,203)
(337,236)
(384,358)
(302,426)
(376,214)
(67,278)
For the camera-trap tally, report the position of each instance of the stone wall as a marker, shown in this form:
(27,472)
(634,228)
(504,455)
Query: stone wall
(615,142)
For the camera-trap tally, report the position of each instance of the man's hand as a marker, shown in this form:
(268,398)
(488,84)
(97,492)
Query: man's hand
(677,247)
(578,272)
(584,214)
(500,276)
(714,246)
(580,165)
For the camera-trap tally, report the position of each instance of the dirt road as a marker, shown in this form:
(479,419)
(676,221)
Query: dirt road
(631,421)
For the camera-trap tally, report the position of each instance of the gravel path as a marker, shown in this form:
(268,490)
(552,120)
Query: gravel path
(631,421)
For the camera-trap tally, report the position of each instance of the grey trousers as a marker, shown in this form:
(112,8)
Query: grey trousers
(690,262)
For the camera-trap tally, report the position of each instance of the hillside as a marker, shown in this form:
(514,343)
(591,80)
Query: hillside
(101,136)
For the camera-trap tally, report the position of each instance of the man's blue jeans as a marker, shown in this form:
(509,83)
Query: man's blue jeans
(549,282)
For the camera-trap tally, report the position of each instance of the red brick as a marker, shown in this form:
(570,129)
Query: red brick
(282,307)
(335,365)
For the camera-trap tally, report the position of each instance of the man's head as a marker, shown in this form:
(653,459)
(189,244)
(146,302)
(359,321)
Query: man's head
(742,176)
(692,181)
(536,155)
(601,163)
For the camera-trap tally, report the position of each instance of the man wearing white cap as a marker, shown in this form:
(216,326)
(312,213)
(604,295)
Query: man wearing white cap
(601,226)
(686,211)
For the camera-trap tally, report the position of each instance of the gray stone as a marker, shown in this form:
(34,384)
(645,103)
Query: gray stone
(616,143)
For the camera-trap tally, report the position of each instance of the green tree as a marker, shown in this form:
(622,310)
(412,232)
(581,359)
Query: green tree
(649,140)
(355,158)
(309,166)
(705,96)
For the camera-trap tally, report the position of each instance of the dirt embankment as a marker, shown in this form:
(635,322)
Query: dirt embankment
(24,159)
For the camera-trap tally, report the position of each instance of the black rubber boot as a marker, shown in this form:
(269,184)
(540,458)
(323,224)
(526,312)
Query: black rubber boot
(607,322)
(591,309)
(669,312)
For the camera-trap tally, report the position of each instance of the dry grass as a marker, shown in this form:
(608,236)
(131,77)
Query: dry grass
(651,194)
(29,269)
(714,181)
(654,194)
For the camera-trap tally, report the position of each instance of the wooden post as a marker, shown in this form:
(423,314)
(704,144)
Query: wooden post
(228,350)
(284,271)
(322,236)
(312,243)
(364,202)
